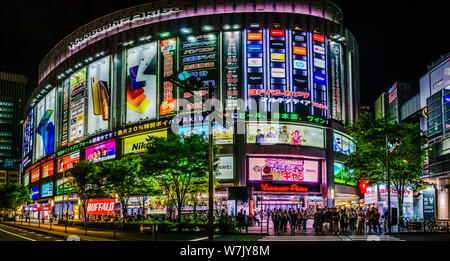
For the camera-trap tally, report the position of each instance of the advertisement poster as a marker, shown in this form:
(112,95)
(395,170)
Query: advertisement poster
(77,103)
(104,151)
(26,179)
(65,112)
(156,205)
(371,195)
(169,65)
(47,169)
(35,174)
(285,134)
(35,193)
(45,129)
(337,78)
(320,79)
(66,162)
(342,144)
(221,135)
(62,186)
(232,68)
(277,54)
(225,168)
(429,204)
(139,143)
(142,65)
(27,151)
(199,56)
(254,64)
(47,189)
(283,169)
(100,207)
(98,95)
(342,175)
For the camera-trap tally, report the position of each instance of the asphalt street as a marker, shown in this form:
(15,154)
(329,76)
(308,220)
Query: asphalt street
(8,233)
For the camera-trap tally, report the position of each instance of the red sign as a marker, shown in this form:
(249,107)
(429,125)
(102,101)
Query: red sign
(47,169)
(277,32)
(319,38)
(35,175)
(101,206)
(293,187)
(46,208)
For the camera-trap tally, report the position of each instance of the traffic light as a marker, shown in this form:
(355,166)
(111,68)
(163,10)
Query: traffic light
(186,81)
(363,186)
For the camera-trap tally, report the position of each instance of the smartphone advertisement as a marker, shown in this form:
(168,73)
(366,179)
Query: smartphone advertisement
(142,64)
(45,128)
(98,95)
(27,151)
(104,151)
(77,103)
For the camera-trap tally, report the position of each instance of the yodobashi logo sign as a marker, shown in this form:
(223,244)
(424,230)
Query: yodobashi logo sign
(123,22)
(101,206)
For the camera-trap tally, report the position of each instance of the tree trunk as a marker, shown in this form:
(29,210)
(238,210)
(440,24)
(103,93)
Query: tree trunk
(84,205)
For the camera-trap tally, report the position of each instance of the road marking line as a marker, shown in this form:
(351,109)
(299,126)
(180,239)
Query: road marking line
(203,238)
(17,235)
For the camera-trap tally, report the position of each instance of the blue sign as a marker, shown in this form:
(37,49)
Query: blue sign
(446,98)
(35,193)
(429,204)
(320,78)
(254,48)
(47,189)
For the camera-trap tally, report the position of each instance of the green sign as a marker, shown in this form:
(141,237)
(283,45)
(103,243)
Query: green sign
(342,175)
(62,186)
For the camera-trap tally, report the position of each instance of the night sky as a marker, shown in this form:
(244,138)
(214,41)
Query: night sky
(397,38)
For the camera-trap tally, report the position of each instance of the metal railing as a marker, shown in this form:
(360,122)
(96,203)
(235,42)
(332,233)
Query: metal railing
(430,226)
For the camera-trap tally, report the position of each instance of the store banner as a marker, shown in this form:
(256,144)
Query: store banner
(67,162)
(101,152)
(371,195)
(139,143)
(47,189)
(429,204)
(63,187)
(407,197)
(283,169)
(100,207)
(156,205)
(34,193)
(35,175)
(47,169)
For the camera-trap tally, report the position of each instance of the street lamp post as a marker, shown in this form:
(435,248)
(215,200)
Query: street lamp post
(388,184)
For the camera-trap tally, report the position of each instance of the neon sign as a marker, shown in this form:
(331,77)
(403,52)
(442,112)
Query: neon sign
(293,188)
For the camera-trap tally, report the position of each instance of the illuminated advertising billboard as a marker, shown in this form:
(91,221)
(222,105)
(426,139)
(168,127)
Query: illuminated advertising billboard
(199,55)
(65,112)
(63,187)
(283,170)
(285,134)
(221,135)
(142,64)
(254,61)
(101,152)
(45,129)
(98,95)
(232,68)
(26,179)
(337,80)
(277,58)
(139,143)
(34,193)
(47,189)
(67,162)
(319,75)
(225,168)
(342,143)
(27,150)
(299,41)
(100,207)
(168,92)
(342,175)
(47,169)
(35,174)
(156,205)
(77,104)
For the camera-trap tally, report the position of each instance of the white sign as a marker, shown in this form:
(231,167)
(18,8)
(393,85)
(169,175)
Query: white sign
(319,63)
(254,62)
(371,195)
(299,64)
(225,168)
(278,72)
(319,49)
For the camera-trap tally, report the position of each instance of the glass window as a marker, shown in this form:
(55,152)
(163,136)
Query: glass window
(434,106)
(434,114)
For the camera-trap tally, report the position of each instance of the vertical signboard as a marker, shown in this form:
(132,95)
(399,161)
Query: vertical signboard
(429,204)
(300,72)
(319,75)
(98,96)
(169,65)
(77,101)
(141,82)
(232,68)
(336,80)
(277,58)
(65,113)
(47,169)
(254,71)
(45,129)
(199,55)
(27,152)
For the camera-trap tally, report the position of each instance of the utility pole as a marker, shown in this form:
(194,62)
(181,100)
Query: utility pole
(388,184)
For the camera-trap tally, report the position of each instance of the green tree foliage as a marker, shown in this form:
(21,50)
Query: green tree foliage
(87,183)
(14,195)
(177,164)
(405,160)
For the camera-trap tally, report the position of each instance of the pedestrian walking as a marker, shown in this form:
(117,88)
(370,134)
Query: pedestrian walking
(376,222)
(276,221)
(352,219)
(317,222)
(343,220)
(335,218)
(293,221)
(361,219)
(304,219)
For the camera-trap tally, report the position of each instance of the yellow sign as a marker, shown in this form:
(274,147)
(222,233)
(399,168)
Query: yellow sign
(139,143)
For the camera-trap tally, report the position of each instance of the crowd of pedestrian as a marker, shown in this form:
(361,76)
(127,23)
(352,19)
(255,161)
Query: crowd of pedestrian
(297,220)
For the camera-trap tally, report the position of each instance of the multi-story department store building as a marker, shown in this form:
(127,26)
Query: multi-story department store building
(103,89)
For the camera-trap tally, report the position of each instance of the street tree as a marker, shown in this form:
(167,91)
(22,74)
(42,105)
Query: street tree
(382,144)
(12,196)
(87,183)
(177,163)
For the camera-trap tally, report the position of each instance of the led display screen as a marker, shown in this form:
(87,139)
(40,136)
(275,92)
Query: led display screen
(199,55)
(35,193)
(156,205)
(319,75)
(47,189)
(168,92)
(77,103)
(98,95)
(232,68)
(283,169)
(343,175)
(65,112)
(342,144)
(139,143)
(337,80)
(254,63)
(27,150)
(285,134)
(101,152)
(221,135)
(45,127)
(47,169)
(142,66)
(67,162)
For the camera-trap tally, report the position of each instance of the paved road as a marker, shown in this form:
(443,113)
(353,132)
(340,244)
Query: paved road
(332,238)
(8,233)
